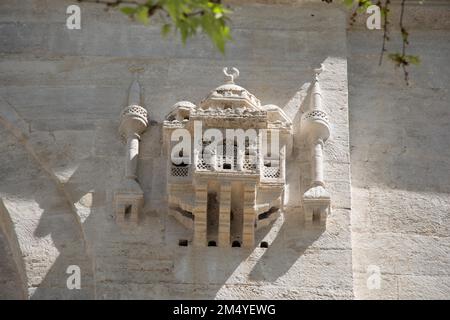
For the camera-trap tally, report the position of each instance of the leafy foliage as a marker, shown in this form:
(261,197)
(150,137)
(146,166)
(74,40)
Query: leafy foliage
(400,59)
(183,17)
(406,60)
(189,17)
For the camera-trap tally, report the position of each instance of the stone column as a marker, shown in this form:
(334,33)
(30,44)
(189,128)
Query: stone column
(260,155)
(317,162)
(248,229)
(240,159)
(283,162)
(196,158)
(200,223)
(213,160)
(132,155)
(224,215)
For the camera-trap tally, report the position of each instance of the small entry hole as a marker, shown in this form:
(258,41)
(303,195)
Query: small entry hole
(264,244)
(183,243)
(212,244)
(127,212)
(236,244)
(316,216)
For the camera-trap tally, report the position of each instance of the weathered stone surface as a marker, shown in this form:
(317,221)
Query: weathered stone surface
(399,139)
(61,158)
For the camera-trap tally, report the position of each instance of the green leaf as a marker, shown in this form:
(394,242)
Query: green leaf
(166,29)
(128,10)
(348,3)
(184,31)
(188,17)
(172,7)
(142,15)
(413,59)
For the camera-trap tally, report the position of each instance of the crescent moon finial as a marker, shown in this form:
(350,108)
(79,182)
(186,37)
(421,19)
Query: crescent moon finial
(318,71)
(230,76)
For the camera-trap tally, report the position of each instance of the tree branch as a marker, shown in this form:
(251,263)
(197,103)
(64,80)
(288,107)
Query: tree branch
(405,42)
(111,3)
(385,9)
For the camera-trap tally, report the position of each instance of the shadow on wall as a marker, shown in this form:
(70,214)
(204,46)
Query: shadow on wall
(285,250)
(224,273)
(60,223)
(13,284)
(50,238)
(146,255)
(103,250)
(146,261)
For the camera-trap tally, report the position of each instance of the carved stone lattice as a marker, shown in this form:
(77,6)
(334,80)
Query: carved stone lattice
(249,164)
(203,165)
(271,172)
(316,115)
(179,171)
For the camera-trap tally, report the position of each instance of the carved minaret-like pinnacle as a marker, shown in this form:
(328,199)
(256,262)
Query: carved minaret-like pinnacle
(316,129)
(133,122)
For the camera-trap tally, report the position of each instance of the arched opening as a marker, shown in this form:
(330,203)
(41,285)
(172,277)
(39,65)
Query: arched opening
(212,243)
(264,244)
(127,211)
(236,244)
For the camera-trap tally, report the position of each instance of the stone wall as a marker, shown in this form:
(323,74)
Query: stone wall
(62,92)
(400,142)
(61,158)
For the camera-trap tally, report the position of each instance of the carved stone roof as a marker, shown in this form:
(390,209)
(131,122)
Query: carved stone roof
(230,95)
(229,105)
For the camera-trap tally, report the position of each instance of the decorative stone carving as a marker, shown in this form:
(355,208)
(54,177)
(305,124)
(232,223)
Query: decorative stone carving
(218,186)
(226,189)
(315,128)
(129,198)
